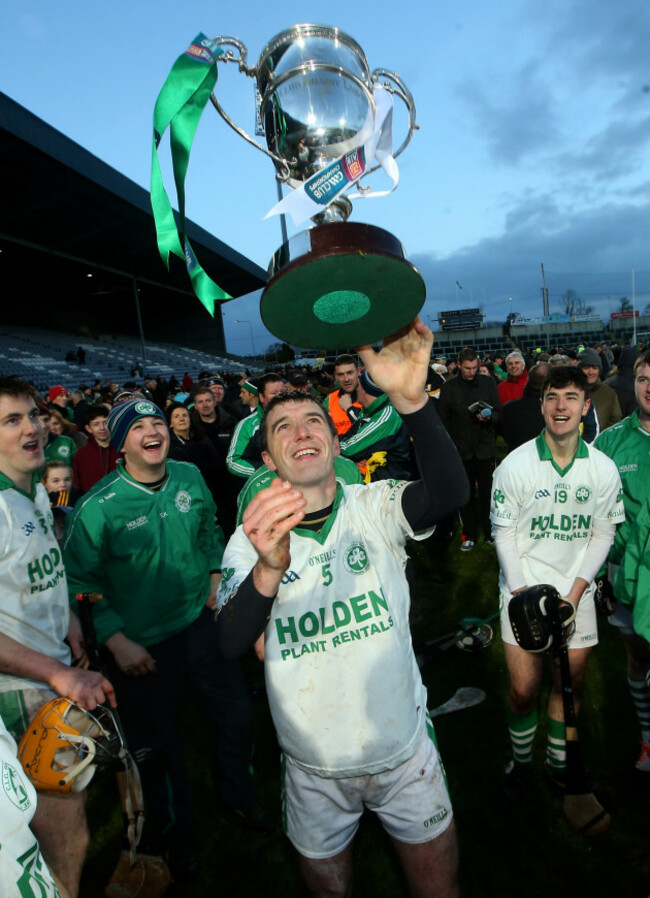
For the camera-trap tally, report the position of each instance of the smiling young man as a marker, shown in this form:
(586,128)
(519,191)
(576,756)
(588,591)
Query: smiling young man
(97,458)
(35,622)
(146,538)
(555,505)
(318,567)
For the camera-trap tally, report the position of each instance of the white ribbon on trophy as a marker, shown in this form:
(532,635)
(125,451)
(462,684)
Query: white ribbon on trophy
(310,197)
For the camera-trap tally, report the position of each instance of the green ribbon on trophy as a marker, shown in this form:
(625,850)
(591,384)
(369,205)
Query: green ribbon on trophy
(178,107)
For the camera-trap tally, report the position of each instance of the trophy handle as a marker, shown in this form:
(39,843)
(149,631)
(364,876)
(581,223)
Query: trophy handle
(401,90)
(251,72)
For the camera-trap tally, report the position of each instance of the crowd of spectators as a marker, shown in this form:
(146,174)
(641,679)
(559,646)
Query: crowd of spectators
(97,438)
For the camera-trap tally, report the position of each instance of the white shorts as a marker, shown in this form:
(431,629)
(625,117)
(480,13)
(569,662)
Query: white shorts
(321,815)
(586,631)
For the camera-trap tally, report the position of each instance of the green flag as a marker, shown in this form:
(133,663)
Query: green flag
(178,107)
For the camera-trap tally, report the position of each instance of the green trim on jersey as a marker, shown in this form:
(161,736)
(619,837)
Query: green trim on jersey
(322,535)
(344,469)
(7,484)
(545,453)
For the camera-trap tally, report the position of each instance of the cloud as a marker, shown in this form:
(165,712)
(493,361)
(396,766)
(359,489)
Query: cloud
(602,40)
(520,122)
(592,252)
(618,150)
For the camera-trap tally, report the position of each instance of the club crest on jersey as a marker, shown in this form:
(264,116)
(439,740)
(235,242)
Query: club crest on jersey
(583,494)
(13,788)
(147,408)
(183,501)
(355,559)
(498,497)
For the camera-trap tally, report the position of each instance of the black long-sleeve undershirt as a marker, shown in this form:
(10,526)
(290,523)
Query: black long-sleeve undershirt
(442,489)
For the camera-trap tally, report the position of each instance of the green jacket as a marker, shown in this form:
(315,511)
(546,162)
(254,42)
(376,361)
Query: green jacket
(149,553)
(62,448)
(632,585)
(242,435)
(628,445)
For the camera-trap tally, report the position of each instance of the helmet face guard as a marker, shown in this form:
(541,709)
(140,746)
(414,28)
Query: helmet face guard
(531,614)
(64,745)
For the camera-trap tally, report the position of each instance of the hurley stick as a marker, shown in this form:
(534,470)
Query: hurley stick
(581,807)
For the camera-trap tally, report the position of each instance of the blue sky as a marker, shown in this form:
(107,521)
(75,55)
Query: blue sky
(533,142)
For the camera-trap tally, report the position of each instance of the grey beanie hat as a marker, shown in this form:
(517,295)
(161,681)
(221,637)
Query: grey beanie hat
(589,357)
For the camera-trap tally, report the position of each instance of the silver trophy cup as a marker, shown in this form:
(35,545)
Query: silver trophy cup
(338,283)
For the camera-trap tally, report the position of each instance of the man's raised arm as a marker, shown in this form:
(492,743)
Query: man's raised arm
(400,369)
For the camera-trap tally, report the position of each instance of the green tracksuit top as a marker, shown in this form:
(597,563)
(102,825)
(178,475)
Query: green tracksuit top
(628,445)
(149,553)
(632,585)
(242,435)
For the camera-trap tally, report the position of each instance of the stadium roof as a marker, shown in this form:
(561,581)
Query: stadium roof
(65,214)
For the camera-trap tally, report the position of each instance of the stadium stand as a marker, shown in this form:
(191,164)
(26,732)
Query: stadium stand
(39,356)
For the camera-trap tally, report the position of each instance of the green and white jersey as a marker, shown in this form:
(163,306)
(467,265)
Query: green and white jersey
(346,472)
(628,445)
(555,512)
(33,589)
(344,688)
(23,871)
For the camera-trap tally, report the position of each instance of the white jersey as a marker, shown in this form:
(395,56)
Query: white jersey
(554,511)
(22,869)
(33,590)
(344,688)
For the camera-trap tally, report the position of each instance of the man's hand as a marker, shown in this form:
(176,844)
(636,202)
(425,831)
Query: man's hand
(211,601)
(268,521)
(86,687)
(132,659)
(401,367)
(576,592)
(76,642)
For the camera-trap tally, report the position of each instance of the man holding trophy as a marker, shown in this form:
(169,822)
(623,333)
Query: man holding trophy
(316,566)
(319,569)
